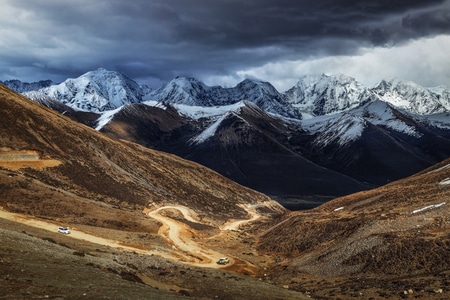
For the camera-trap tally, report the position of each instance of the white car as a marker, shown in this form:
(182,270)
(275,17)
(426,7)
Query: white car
(63,230)
(223,261)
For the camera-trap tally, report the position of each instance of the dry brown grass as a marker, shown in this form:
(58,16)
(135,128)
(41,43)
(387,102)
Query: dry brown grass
(399,233)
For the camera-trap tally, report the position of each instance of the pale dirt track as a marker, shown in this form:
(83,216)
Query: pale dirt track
(76,234)
(184,248)
(234,225)
(178,235)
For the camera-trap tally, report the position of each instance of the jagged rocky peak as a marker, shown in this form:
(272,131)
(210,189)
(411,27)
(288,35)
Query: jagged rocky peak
(412,97)
(189,91)
(327,94)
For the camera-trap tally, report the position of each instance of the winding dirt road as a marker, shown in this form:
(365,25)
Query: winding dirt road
(184,248)
(178,234)
(234,225)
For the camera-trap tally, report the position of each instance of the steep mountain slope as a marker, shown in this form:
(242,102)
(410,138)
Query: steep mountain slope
(376,143)
(240,141)
(392,238)
(158,127)
(109,171)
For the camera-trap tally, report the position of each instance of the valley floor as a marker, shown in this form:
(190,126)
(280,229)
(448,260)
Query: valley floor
(187,267)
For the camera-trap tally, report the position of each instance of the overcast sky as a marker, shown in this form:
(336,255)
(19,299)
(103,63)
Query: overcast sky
(225,41)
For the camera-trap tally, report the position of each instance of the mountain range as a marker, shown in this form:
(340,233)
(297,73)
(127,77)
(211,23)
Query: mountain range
(325,137)
(150,225)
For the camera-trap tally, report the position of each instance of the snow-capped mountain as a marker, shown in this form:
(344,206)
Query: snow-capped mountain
(189,91)
(443,93)
(22,87)
(96,91)
(372,143)
(240,141)
(322,138)
(313,95)
(184,90)
(346,127)
(375,142)
(319,95)
(413,97)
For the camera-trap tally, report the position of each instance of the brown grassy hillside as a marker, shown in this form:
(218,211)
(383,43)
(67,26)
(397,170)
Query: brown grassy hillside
(397,232)
(102,170)
(54,171)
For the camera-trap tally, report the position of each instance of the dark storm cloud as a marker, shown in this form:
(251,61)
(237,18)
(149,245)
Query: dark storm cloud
(159,39)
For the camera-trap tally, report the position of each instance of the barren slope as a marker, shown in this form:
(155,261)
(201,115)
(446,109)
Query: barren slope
(125,206)
(112,172)
(392,238)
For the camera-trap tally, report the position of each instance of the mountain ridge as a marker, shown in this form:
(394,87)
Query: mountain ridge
(103,168)
(390,242)
(331,122)
(312,95)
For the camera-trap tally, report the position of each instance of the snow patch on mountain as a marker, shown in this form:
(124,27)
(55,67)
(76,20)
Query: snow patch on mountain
(335,129)
(428,207)
(445,181)
(39,97)
(437,120)
(380,113)
(198,112)
(106,117)
(209,131)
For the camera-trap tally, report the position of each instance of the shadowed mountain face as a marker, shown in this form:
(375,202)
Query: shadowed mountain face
(114,172)
(246,145)
(313,160)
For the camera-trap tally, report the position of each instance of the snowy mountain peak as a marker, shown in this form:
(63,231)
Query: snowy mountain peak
(96,91)
(189,91)
(252,86)
(324,94)
(412,97)
(313,95)
(183,90)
